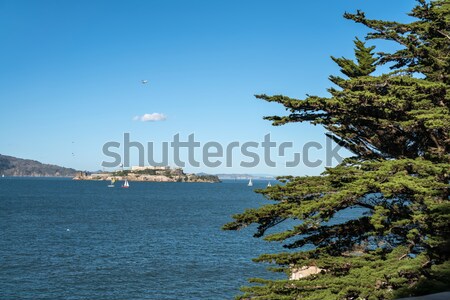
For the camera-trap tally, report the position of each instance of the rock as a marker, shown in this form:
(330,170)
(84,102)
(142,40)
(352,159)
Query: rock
(299,273)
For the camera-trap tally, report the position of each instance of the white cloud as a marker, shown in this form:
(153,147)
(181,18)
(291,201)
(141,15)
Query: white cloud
(150,117)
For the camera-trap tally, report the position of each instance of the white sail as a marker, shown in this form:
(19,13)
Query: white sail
(126,184)
(250,183)
(269,184)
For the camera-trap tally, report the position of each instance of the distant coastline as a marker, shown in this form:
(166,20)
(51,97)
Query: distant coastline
(18,167)
(246,176)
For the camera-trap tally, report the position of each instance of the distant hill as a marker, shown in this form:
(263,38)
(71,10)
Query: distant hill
(243,176)
(13,166)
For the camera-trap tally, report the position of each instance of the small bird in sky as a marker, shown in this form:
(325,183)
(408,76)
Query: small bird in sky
(144,81)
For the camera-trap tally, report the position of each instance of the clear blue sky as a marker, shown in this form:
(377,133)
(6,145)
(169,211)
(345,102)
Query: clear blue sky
(71,71)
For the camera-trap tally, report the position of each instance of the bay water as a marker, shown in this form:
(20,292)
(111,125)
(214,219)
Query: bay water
(65,239)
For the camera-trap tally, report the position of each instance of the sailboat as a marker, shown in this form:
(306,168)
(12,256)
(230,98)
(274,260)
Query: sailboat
(250,183)
(112,182)
(3,175)
(126,184)
(269,185)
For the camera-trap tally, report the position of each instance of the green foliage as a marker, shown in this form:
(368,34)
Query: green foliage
(397,125)
(121,173)
(145,172)
(351,277)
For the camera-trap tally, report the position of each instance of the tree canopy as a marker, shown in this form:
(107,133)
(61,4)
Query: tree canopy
(395,186)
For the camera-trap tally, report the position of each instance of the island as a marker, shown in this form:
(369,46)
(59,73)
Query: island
(150,174)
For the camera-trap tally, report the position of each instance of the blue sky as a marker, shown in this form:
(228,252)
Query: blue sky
(71,72)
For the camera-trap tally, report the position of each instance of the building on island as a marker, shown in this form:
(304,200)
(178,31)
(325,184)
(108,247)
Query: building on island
(143,168)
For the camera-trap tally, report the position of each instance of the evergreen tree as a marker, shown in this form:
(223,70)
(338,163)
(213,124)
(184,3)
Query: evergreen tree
(397,125)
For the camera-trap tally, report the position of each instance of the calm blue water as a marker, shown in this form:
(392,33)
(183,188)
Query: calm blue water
(64,239)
